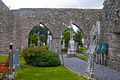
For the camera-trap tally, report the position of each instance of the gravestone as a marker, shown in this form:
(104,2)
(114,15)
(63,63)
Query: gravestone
(63,46)
(16,60)
(71,50)
(49,43)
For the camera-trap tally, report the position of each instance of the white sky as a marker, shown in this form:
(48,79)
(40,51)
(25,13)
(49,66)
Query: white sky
(16,4)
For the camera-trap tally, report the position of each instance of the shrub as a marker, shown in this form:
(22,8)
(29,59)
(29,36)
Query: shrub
(37,56)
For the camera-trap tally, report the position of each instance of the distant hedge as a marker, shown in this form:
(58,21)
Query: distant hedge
(37,56)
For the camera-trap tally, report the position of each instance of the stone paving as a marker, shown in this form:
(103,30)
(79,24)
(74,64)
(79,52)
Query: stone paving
(101,73)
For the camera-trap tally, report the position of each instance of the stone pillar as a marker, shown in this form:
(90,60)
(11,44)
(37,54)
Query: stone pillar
(49,43)
(56,45)
(24,42)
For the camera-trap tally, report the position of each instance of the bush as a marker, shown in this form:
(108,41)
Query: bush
(37,56)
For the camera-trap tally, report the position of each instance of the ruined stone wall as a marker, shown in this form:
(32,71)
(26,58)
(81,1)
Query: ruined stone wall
(6,28)
(111,15)
(56,20)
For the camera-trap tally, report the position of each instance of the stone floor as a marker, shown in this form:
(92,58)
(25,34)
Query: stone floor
(101,73)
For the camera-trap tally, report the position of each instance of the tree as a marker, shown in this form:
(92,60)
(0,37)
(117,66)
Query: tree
(66,37)
(34,39)
(43,31)
(78,37)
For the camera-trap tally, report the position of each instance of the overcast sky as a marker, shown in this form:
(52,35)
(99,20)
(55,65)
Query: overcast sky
(16,4)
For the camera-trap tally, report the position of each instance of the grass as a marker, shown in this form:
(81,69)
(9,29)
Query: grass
(78,52)
(83,57)
(63,52)
(44,73)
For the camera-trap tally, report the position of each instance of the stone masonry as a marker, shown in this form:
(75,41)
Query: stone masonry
(15,26)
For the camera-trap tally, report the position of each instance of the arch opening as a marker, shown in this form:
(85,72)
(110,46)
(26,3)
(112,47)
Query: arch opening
(77,37)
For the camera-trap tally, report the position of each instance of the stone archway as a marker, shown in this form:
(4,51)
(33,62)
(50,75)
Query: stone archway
(56,20)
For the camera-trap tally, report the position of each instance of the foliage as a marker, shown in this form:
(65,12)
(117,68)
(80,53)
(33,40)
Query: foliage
(37,56)
(78,37)
(81,50)
(66,37)
(43,31)
(83,57)
(34,39)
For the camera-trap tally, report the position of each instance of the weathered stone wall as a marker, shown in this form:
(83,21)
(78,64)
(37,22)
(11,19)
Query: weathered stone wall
(6,28)
(111,15)
(56,20)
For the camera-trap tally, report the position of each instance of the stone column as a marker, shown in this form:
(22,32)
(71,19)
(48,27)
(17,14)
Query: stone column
(24,42)
(49,43)
(56,45)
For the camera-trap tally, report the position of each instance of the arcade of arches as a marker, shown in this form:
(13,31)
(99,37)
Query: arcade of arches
(15,26)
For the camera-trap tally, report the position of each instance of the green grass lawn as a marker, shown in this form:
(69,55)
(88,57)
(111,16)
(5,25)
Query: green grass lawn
(83,57)
(44,73)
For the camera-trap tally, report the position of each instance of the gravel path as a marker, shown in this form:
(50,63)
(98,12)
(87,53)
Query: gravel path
(101,73)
